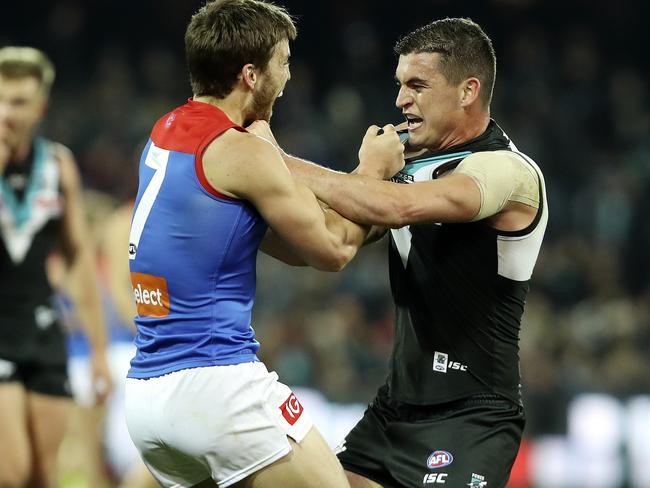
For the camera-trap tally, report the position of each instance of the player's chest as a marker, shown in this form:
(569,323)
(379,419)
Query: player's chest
(429,168)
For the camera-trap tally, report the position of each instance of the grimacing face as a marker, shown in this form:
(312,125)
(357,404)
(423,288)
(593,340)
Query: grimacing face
(271,82)
(430,104)
(22,105)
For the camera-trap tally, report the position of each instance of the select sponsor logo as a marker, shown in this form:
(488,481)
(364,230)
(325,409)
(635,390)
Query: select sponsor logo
(291,409)
(439,459)
(430,478)
(150,295)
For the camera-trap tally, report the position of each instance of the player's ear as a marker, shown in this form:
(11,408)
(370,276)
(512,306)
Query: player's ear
(471,88)
(248,75)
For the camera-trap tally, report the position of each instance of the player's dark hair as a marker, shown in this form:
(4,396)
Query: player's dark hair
(225,35)
(465,51)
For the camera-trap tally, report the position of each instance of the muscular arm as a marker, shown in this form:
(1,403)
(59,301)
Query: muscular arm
(496,185)
(280,249)
(78,252)
(365,199)
(247,167)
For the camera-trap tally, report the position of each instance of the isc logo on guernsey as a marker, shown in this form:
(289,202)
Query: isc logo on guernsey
(150,294)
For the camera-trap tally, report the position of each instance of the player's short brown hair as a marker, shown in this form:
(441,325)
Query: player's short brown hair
(465,51)
(224,35)
(24,62)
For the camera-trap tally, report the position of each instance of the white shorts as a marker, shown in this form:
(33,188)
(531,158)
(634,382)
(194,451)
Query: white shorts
(219,422)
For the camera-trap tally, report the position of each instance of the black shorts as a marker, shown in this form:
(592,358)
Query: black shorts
(39,378)
(466,443)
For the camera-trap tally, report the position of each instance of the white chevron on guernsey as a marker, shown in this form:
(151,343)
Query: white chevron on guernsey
(43,202)
(402,236)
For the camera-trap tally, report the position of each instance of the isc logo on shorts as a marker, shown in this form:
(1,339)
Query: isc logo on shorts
(150,294)
(291,409)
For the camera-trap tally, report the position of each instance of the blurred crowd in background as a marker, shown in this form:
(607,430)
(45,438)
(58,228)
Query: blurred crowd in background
(571,91)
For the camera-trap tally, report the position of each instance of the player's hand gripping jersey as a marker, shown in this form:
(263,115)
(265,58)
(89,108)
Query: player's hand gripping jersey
(192,253)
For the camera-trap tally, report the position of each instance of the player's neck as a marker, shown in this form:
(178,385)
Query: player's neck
(20,152)
(470,129)
(232,106)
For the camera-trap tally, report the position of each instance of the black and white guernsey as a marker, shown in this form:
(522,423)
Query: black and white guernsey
(31,208)
(459,291)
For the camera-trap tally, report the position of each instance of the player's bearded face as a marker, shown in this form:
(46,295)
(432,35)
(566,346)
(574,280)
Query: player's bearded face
(271,82)
(263,101)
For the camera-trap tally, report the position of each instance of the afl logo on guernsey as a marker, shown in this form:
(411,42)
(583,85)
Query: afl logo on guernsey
(291,409)
(150,295)
(439,459)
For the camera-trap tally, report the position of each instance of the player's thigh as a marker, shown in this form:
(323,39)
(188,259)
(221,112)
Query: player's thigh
(365,451)
(139,476)
(47,419)
(15,456)
(358,481)
(311,463)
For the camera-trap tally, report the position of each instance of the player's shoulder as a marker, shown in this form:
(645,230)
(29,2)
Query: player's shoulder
(238,145)
(58,150)
(498,156)
(62,154)
(66,161)
(502,158)
(506,164)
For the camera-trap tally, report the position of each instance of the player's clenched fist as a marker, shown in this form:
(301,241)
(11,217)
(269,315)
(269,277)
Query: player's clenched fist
(262,129)
(381,154)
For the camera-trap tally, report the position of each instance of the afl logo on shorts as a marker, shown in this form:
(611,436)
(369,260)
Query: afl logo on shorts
(150,295)
(439,459)
(291,409)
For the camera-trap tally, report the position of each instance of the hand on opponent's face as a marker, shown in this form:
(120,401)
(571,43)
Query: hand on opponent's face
(382,153)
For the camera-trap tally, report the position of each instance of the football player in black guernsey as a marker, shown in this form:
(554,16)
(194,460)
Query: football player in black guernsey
(40,212)
(467,214)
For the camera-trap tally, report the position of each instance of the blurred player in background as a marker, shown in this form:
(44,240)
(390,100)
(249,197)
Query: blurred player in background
(468,213)
(40,208)
(97,450)
(200,406)
(131,471)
